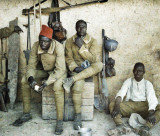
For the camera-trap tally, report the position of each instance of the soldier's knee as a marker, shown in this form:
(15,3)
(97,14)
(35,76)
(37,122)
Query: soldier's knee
(24,80)
(78,86)
(57,87)
(98,66)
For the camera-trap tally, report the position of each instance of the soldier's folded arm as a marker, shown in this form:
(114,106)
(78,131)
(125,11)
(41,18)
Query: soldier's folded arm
(69,56)
(92,54)
(60,66)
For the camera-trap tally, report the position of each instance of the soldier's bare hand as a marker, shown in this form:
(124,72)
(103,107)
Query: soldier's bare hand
(42,87)
(79,42)
(151,117)
(78,69)
(116,111)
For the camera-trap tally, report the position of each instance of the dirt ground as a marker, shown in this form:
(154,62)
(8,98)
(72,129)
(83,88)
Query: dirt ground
(39,127)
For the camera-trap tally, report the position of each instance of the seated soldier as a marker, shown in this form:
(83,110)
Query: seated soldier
(82,58)
(47,63)
(136,96)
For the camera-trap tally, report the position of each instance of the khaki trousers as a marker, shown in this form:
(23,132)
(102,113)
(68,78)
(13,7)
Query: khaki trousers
(129,107)
(57,88)
(78,85)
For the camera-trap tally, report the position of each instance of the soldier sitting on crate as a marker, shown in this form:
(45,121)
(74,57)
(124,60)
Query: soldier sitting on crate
(4,33)
(82,58)
(47,61)
(139,98)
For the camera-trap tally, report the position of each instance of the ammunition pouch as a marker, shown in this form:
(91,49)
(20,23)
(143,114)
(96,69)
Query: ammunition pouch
(109,67)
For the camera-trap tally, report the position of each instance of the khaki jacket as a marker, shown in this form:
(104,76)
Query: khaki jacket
(90,51)
(7,31)
(53,61)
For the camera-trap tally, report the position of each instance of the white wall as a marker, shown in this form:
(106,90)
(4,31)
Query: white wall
(135,24)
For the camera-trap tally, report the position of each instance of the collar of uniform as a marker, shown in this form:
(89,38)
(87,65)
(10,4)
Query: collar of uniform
(139,81)
(86,39)
(50,50)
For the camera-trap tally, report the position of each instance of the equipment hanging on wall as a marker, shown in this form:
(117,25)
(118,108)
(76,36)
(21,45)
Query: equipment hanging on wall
(59,33)
(58,9)
(101,101)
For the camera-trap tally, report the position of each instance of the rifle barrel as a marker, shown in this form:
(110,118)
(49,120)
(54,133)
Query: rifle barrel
(38,4)
(58,9)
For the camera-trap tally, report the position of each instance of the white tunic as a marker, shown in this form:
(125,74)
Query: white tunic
(139,91)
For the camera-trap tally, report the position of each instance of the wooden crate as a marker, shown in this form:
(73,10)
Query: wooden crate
(49,108)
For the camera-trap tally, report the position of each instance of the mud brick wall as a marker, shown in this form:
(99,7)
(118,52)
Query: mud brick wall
(135,24)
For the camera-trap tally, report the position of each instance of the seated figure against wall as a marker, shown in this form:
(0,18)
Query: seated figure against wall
(136,95)
(82,58)
(46,63)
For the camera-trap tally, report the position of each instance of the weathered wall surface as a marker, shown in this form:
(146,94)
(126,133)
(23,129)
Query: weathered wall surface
(134,24)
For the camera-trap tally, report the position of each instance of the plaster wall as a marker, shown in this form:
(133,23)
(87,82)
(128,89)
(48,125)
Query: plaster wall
(134,24)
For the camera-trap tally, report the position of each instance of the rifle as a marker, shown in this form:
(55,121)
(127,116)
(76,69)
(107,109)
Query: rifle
(37,4)
(101,101)
(58,9)
(104,81)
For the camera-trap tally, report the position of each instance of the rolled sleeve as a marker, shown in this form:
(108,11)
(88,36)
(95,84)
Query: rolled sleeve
(151,97)
(91,54)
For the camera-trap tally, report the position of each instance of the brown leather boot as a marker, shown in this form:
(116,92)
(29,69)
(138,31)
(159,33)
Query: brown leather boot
(77,121)
(59,127)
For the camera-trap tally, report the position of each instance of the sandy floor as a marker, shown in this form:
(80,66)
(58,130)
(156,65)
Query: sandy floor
(39,127)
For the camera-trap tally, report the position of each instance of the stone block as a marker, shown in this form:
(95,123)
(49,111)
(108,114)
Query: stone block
(49,108)
(49,112)
(51,101)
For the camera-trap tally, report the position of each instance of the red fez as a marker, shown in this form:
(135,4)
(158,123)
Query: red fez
(46,31)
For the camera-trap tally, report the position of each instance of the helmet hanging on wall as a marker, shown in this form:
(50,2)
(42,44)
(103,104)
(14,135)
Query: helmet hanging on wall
(110,45)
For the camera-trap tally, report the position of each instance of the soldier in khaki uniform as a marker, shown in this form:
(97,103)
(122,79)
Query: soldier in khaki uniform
(47,62)
(79,49)
(4,33)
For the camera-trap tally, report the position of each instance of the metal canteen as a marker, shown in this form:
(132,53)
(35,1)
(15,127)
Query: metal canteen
(111,45)
(85,132)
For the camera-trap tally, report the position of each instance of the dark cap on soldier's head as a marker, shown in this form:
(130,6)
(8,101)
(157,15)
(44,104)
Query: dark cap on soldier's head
(46,31)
